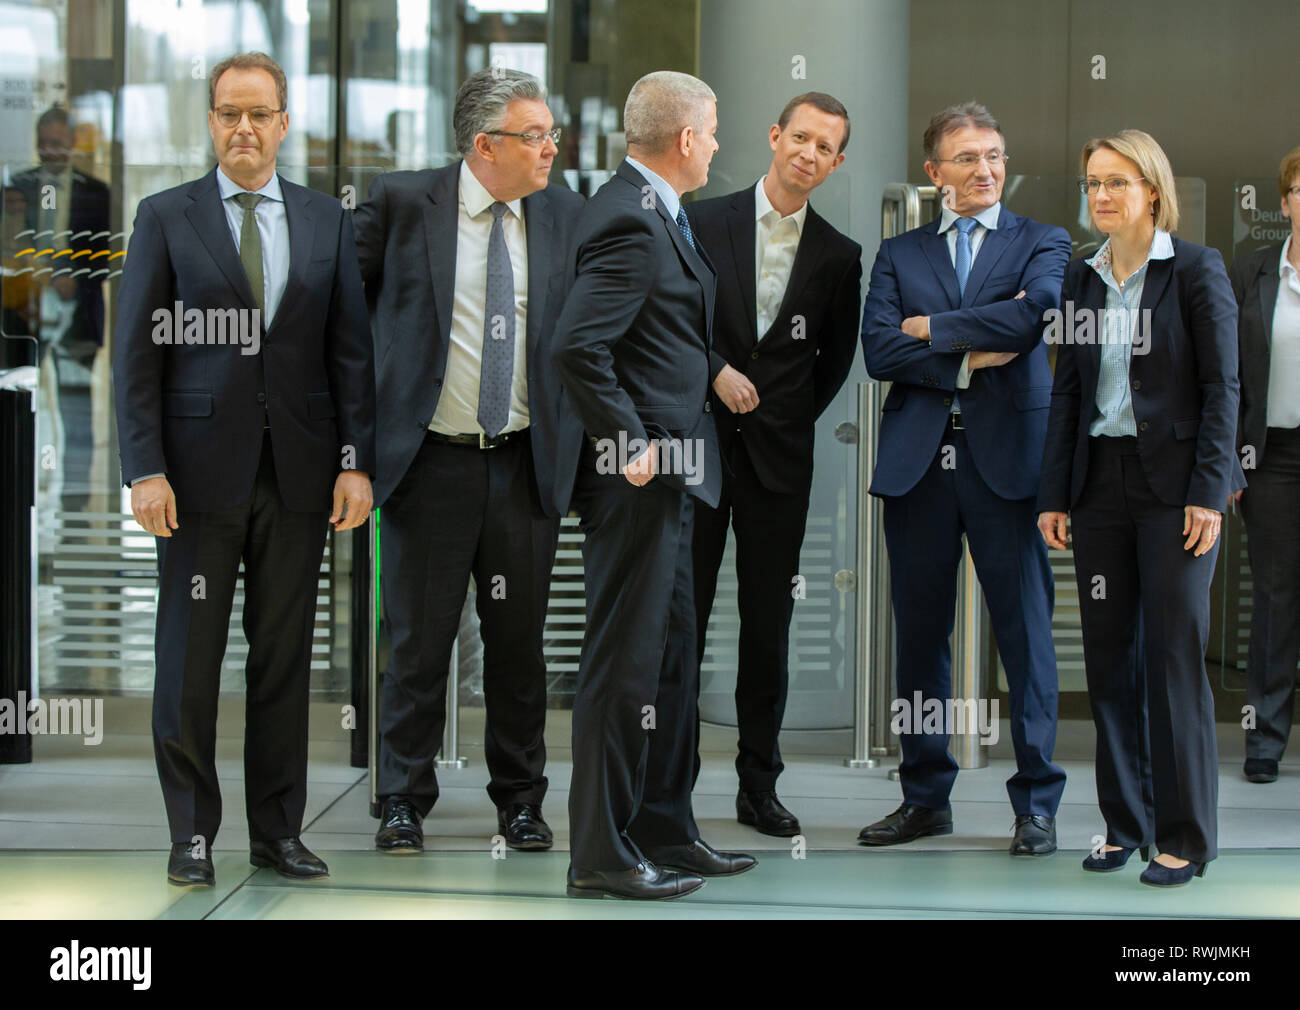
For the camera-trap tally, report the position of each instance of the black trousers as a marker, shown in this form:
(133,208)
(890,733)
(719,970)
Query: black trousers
(1271,509)
(1145,607)
(635,715)
(461,510)
(769,528)
(198,566)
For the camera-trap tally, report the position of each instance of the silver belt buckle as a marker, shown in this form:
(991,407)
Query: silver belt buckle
(483,442)
(956,421)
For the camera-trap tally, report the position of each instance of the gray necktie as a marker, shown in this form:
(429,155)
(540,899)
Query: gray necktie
(250,247)
(497,374)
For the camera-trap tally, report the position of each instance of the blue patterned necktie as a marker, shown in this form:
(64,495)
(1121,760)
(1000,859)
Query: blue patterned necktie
(498,366)
(685,226)
(964,225)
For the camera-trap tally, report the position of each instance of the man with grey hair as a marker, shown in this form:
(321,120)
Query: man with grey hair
(954,318)
(462,267)
(632,347)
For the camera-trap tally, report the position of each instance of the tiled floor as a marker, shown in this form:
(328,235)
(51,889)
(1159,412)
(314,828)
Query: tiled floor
(83,834)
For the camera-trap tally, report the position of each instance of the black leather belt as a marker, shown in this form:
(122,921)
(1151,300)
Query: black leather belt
(479,441)
(954,421)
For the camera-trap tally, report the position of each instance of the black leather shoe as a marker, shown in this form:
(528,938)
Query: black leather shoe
(1159,875)
(1035,835)
(289,858)
(644,881)
(905,824)
(523,826)
(762,810)
(702,859)
(1260,770)
(185,869)
(399,827)
(1108,862)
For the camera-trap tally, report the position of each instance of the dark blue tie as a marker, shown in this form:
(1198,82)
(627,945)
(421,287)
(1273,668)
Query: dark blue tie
(685,226)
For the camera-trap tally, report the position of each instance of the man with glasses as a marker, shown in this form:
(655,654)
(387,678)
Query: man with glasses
(954,319)
(464,275)
(244,386)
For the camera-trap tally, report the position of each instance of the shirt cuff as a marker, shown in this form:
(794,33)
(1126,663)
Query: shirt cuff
(963,373)
(148,476)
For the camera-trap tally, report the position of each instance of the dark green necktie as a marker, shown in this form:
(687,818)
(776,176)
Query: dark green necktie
(250,247)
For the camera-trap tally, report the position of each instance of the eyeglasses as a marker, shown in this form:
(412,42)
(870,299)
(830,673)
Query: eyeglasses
(994,159)
(260,117)
(1114,186)
(531,139)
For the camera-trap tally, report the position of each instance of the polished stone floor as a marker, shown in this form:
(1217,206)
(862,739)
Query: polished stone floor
(83,835)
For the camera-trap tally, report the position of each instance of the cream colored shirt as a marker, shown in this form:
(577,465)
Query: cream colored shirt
(1284,349)
(776,240)
(457,412)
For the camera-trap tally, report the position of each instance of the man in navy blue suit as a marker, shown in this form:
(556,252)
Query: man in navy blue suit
(954,319)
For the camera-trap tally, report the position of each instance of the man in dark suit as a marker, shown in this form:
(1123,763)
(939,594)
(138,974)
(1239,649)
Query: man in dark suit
(245,407)
(632,348)
(464,272)
(789,288)
(954,317)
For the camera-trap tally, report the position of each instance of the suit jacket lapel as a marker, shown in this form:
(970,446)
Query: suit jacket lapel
(208,219)
(935,248)
(995,243)
(537,227)
(302,230)
(1268,283)
(740,226)
(441,226)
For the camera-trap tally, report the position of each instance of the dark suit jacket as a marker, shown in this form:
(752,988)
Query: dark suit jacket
(1184,388)
(796,371)
(406,242)
(1254,283)
(1005,408)
(196,412)
(632,342)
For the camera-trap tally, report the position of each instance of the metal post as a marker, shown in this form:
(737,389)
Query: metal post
(372,629)
(968,655)
(863,669)
(451,731)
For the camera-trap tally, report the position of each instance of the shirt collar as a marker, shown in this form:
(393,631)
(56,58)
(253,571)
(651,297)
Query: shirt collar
(763,207)
(988,217)
(1162,248)
(477,199)
(227,187)
(1284,264)
(672,202)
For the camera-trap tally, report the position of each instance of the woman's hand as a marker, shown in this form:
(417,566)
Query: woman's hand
(1052,526)
(1200,526)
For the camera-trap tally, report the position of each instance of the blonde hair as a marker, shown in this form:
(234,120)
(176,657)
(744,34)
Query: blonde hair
(1141,149)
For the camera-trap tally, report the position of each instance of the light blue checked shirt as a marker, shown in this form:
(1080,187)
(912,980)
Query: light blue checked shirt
(272,226)
(1115,335)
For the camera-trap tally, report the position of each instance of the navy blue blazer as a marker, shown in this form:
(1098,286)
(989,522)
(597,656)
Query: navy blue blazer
(1184,389)
(1005,408)
(196,411)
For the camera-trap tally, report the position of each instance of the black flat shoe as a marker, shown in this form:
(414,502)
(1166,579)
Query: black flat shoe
(1159,875)
(1108,862)
(763,811)
(905,824)
(701,859)
(1035,835)
(399,827)
(289,858)
(187,870)
(644,881)
(523,827)
(1260,770)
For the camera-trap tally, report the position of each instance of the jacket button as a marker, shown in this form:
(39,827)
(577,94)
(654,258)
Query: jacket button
(754,355)
(1142,426)
(707,406)
(261,397)
(1137,383)
(947,401)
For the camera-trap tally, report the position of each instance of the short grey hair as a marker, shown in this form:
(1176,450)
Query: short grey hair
(660,105)
(483,99)
(953,118)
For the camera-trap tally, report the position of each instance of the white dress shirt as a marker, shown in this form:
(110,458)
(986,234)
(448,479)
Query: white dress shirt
(272,228)
(985,221)
(457,412)
(776,240)
(1284,349)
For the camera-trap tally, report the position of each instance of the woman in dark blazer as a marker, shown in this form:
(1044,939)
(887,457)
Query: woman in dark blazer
(1267,287)
(1141,456)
